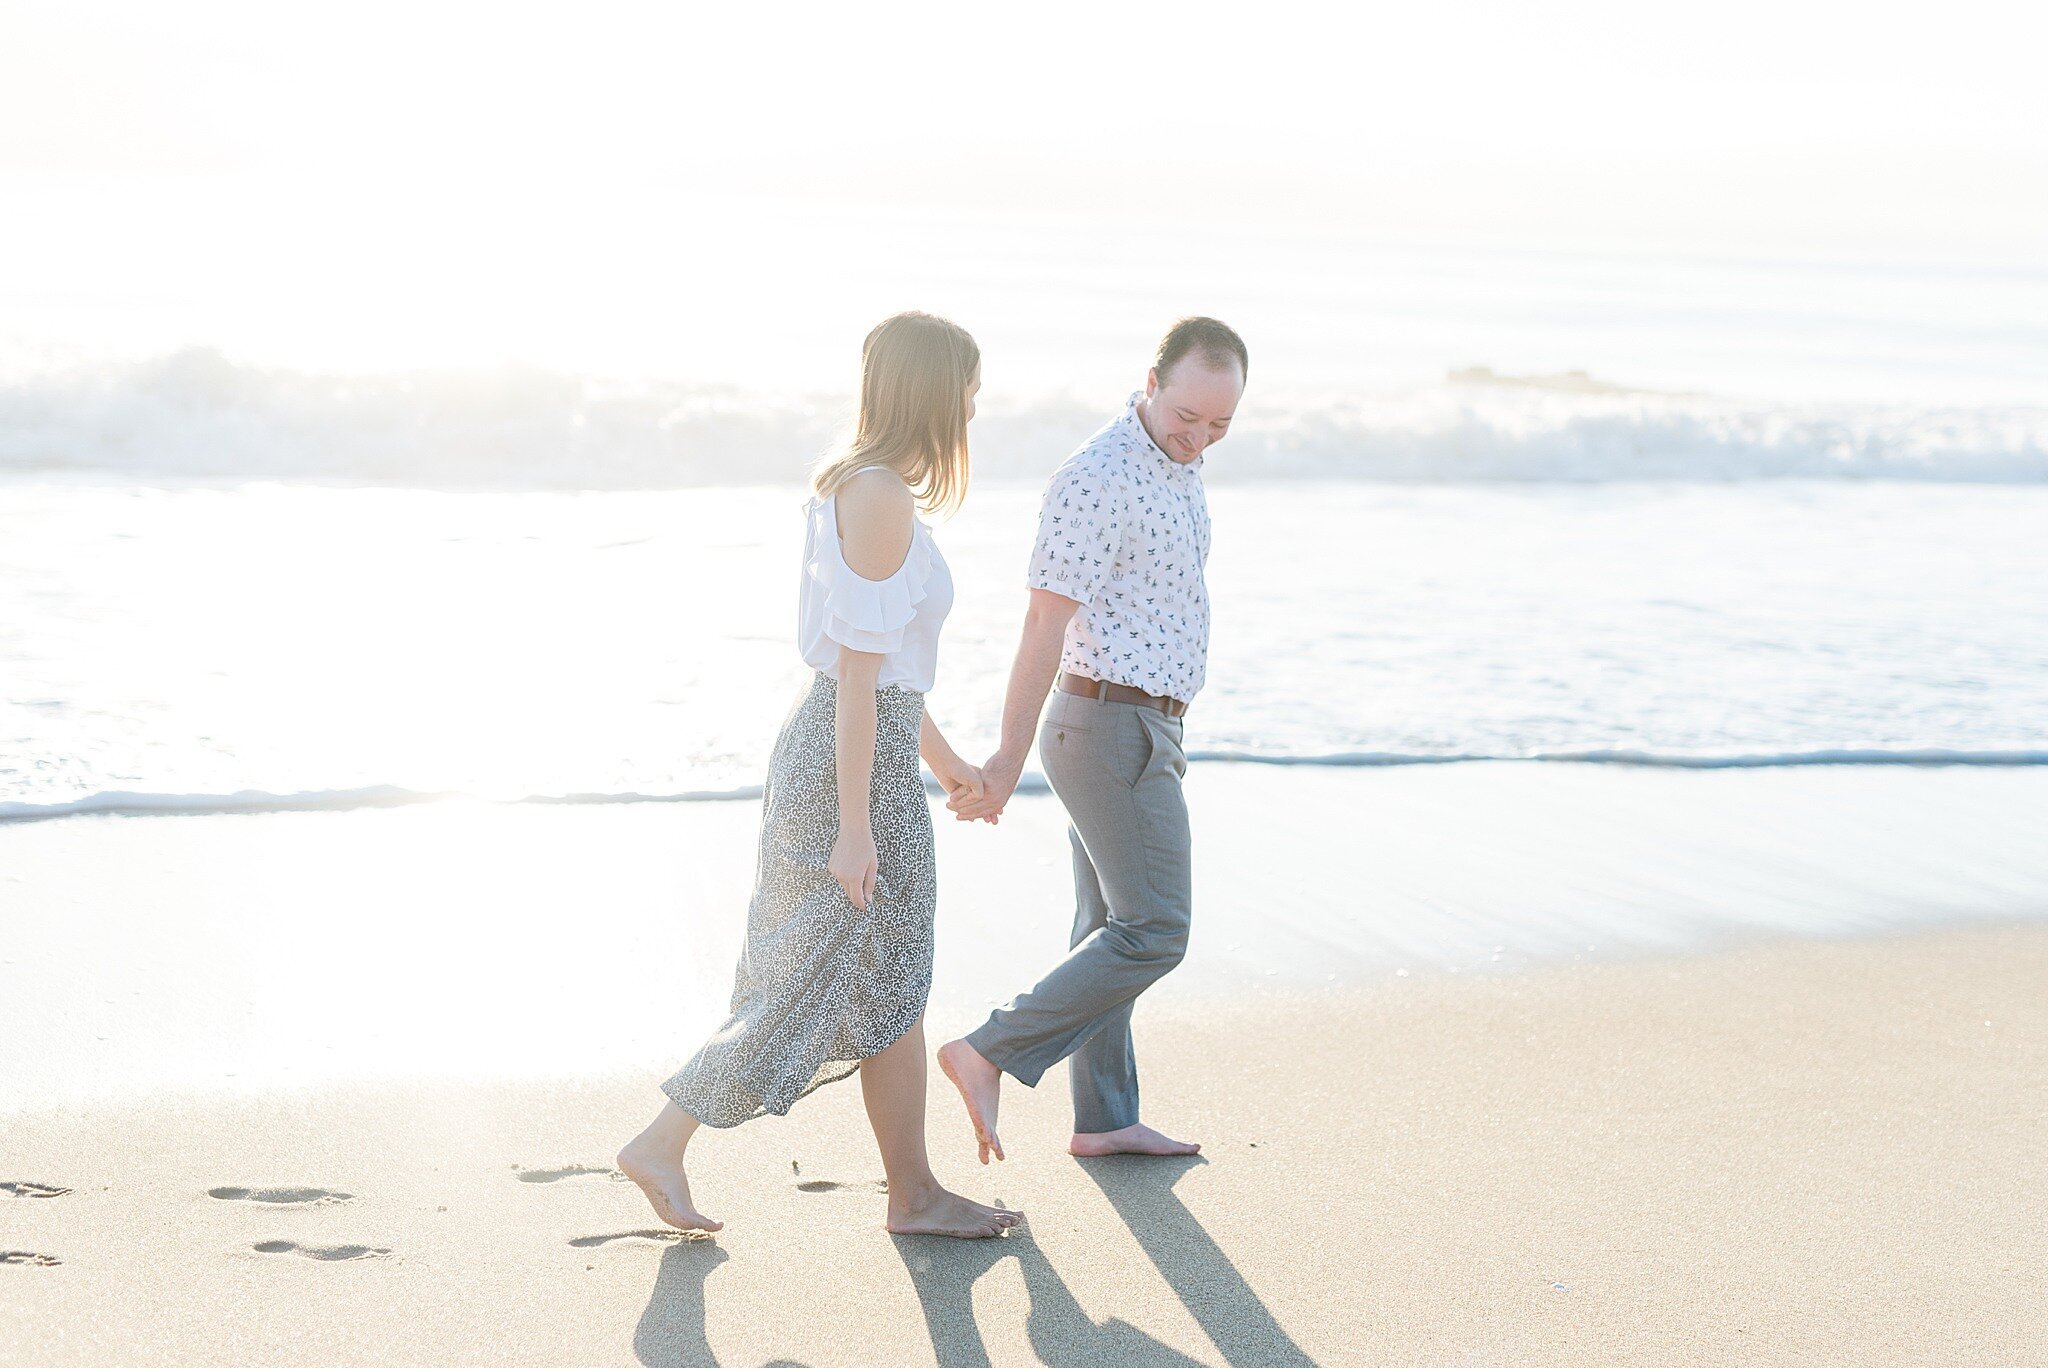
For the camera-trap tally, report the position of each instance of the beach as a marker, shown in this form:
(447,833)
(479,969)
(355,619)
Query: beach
(345,1087)
(1615,691)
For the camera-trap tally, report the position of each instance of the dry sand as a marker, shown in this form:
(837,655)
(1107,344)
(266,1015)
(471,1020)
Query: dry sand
(1793,1152)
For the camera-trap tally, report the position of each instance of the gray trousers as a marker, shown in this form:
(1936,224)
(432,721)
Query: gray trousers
(1118,769)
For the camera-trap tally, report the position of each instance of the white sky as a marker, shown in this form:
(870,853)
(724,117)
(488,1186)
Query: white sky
(941,101)
(185,166)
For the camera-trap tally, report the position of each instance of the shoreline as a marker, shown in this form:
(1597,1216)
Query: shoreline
(124,804)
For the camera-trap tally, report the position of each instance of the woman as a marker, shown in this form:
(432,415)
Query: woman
(838,959)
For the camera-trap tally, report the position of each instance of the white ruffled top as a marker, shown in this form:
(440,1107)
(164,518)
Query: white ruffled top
(898,616)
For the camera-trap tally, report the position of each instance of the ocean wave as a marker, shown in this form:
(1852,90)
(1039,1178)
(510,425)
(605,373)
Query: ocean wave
(143,803)
(197,415)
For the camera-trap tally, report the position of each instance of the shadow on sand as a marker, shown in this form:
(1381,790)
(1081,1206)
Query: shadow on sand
(1140,1189)
(1061,1333)
(671,1331)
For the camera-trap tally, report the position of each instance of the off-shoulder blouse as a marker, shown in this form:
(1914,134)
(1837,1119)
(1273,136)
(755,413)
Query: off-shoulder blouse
(898,616)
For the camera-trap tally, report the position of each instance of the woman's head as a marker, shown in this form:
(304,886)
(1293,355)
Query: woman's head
(918,377)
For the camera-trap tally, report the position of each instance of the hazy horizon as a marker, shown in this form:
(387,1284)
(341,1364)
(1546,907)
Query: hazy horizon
(1804,206)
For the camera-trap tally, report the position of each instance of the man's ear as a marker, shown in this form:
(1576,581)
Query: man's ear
(1151,383)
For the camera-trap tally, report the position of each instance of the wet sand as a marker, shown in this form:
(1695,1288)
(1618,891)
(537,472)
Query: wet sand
(261,951)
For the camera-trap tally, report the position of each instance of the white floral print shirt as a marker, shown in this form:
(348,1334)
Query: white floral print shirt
(1124,530)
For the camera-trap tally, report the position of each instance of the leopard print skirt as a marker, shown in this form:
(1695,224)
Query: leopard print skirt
(820,984)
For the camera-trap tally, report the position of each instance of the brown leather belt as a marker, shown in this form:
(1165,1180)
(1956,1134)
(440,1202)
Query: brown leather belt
(1121,694)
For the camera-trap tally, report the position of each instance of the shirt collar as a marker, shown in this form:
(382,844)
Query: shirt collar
(1137,431)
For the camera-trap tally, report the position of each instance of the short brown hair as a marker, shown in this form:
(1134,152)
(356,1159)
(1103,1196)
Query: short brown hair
(1213,341)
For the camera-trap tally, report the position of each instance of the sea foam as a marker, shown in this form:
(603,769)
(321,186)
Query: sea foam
(197,415)
(140,804)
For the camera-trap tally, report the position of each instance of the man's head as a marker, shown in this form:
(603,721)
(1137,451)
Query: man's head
(1192,391)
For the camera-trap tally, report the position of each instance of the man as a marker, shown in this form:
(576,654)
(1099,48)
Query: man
(1120,612)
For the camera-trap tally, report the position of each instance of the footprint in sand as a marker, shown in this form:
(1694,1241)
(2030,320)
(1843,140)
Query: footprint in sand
(664,1236)
(27,1259)
(843,1187)
(564,1173)
(296,1194)
(324,1254)
(29,1190)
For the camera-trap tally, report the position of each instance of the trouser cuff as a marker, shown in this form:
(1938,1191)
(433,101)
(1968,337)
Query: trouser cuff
(1100,1121)
(988,1041)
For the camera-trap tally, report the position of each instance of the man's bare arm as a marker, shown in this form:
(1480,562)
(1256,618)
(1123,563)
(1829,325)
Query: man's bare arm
(1031,677)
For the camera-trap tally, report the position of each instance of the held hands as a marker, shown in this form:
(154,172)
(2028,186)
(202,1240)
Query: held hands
(853,864)
(964,784)
(998,781)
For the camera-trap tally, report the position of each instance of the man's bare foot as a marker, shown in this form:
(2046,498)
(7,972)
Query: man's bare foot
(946,1215)
(662,1180)
(1148,1142)
(980,1084)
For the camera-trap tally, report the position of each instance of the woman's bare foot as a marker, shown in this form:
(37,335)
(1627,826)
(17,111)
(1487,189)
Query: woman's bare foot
(664,1185)
(980,1084)
(943,1214)
(1137,1138)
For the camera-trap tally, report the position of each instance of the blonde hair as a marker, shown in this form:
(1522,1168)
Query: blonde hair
(914,372)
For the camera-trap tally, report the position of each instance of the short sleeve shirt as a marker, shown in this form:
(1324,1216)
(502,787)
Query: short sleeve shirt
(1124,530)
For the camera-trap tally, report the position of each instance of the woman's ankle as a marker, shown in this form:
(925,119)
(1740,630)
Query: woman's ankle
(668,1137)
(916,1192)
